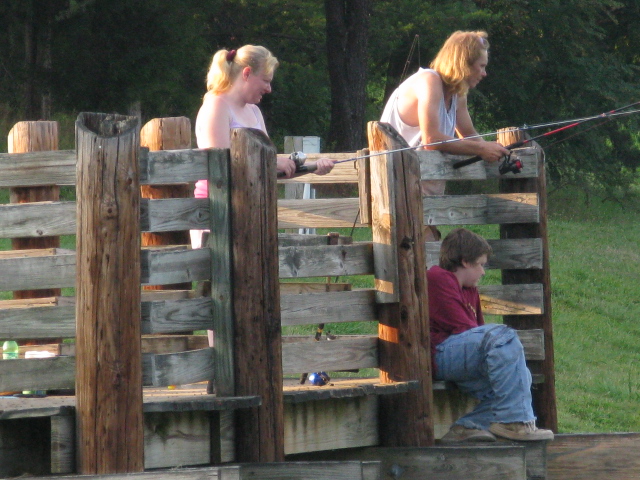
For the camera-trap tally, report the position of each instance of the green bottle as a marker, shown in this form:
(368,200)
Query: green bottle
(9,350)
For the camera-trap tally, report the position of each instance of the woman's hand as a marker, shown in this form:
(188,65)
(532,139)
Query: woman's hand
(286,166)
(323,165)
(492,151)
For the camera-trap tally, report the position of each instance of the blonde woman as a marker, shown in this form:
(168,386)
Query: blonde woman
(431,105)
(236,83)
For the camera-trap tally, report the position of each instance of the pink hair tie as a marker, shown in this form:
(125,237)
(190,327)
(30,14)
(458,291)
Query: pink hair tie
(231,54)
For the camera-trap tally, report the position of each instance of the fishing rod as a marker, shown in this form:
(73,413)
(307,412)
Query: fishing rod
(302,169)
(506,166)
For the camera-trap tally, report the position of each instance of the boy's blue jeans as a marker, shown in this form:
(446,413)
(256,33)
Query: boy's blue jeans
(487,362)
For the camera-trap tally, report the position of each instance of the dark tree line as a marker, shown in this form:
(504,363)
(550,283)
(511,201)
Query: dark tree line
(549,60)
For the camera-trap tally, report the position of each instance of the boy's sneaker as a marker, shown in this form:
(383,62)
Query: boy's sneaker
(459,434)
(521,431)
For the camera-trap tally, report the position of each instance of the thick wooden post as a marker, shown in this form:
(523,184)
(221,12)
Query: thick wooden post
(109,418)
(256,296)
(404,351)
(27,137)
(544,395)
(172,133)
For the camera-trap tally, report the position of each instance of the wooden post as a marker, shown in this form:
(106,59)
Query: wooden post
(173,133)
(256,296)
(27,137)
(109,418)
(544,395)
(404,350)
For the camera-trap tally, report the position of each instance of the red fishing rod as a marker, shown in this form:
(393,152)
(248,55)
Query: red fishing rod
(515,166)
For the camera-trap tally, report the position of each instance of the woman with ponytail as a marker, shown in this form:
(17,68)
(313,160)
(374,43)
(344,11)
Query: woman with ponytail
(236,82)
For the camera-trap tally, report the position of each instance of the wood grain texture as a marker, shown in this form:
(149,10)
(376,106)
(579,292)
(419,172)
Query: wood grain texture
(304,471)
(544,397)
(318,213)
(481,209)
(450,463)
(331,424)
(334,307)
(594,456)
(169,133)
(38,168)
(109,369)
(516,299)
(344,353)
(181,473)
(403,329)
(328,260)
(256,295)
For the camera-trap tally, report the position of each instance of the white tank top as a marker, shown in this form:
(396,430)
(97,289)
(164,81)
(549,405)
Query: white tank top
(412,133)
(201,189)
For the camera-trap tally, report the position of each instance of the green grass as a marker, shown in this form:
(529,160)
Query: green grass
(596,310)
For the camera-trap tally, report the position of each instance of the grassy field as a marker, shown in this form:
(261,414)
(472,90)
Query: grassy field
(596,310)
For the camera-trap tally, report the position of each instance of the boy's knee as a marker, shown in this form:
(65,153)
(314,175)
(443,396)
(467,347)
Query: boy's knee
(501,336)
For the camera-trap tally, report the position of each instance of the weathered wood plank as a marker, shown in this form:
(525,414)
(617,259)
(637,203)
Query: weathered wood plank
(354,306)
(59,372)
(174,214)
(219,243)
(481,209)
(341,173)
(298,288)
(179,473)
(330,260)
(159,267)
(38,322)
(309,240)
(450,463)
(182,368)
(343,388)
(38,374)
(403,327)
(344,353)
(303,471)
(594,456)
(318,213)
(435,165)
(34,272)
(108,368)
(256,295)
(544,397)
(168,167)
(516,299)
(177,316)
(58,321)
(166,266)
(63,443)
(38,168)
(37,219)
(523,253)
(331,424)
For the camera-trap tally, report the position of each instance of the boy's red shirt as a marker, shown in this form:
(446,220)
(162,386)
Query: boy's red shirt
(452,308)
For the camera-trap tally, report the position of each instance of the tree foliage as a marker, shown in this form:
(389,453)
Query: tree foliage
(549,60)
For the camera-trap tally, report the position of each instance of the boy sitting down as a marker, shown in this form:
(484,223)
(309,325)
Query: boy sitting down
(485,361)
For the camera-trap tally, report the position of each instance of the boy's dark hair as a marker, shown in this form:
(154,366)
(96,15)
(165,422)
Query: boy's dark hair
(462,245)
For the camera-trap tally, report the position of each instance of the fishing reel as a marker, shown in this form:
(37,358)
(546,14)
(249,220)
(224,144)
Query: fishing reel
(513,165)
(298,158)
(319,379)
